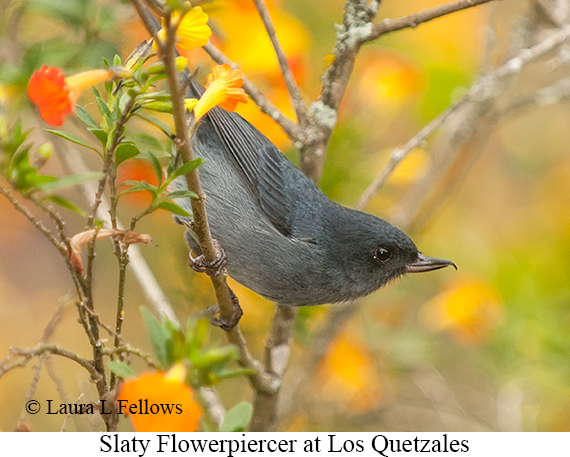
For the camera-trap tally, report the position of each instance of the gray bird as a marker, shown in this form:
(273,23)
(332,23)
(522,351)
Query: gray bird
(283,237)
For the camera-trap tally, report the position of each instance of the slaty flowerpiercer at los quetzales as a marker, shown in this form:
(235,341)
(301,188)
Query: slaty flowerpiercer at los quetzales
(283,237)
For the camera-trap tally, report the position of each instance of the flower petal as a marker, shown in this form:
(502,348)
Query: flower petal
(223,88)
(158,391)
(55,95)
(49,92)
(193,29)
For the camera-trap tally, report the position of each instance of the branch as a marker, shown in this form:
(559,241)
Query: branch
(468,142)
(292,87)
(413,20)
(356,30)
(482,90)
(75,164)
(41,349)
(200,226)
(126,349)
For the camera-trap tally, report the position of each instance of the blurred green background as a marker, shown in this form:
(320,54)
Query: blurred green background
(483,348)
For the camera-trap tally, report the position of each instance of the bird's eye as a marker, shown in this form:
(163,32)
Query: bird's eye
(382,254)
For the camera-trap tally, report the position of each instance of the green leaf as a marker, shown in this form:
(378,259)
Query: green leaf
(64,203)
(174,209)
(68,181)
(238,372)
(181,194)
(72,138)
(216,357)
(103,108)
(159,338)
(40,180)
(137,186)
(237,419)
(156,122)
(85,116)
(125,151)
(100,134)
(156,167)
(121,369)
(146,143)
(186,168)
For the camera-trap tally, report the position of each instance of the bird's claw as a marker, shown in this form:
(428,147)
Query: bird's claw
(226,324)
(213,267)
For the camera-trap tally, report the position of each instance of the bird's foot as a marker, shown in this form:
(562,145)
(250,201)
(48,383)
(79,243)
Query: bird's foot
(226,324)
(213,267)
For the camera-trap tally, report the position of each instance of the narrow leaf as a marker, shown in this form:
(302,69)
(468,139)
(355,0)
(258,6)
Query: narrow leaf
(139,186)
(68,181)
(85,116)
(174,209)
(181,194)
(103,108)
(72,138)
(64,203)
(156,122)
(156,167)
(186,168)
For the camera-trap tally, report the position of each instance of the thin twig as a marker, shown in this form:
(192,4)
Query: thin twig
(54,349)
(126,349)
(413,20)
(483,89)
(137,263)
(292,87)
(481,92)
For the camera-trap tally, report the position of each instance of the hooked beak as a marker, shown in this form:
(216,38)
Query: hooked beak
(425,263)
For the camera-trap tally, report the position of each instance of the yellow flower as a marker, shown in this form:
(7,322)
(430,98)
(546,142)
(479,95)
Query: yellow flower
(223,89)
(193,29)
(160,402)
(190,103)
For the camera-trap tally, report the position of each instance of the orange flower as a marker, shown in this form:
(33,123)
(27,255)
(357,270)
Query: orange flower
(159,402)
(223,89)
(55,95)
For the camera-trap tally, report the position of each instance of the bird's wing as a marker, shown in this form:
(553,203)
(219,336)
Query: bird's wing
(261,164)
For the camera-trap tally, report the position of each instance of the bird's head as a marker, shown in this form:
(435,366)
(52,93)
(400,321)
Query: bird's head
(371,252)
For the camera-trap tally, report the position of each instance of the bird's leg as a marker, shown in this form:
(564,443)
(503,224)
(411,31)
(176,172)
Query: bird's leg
(225,324)
(211,268)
